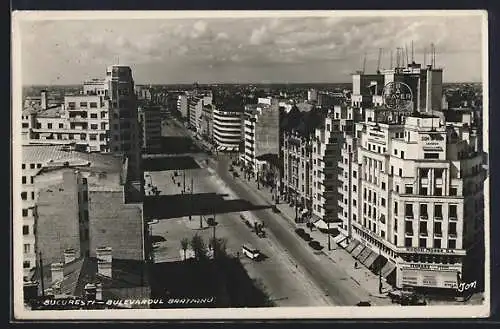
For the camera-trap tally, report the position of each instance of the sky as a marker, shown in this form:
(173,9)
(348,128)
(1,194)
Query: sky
(244,50)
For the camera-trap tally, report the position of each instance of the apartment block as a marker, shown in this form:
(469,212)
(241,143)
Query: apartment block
(150,120)
(228,129)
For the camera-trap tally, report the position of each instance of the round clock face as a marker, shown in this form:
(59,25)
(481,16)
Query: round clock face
(398,96)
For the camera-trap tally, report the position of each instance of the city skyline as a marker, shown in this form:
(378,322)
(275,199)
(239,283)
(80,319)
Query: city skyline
(245,50)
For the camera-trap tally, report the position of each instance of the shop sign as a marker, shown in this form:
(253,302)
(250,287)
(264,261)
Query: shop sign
(430,250)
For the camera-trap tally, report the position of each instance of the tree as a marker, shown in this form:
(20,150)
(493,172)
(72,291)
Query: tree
(199,247)
(219,246)
(184,246)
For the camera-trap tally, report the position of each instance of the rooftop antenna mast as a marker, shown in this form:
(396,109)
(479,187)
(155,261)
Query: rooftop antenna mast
(412,58)
(378,60)
(425,56)
(364,63)
(406,51)
(433,55)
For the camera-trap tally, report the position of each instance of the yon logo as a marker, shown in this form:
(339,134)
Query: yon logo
(398,96)
(466,286)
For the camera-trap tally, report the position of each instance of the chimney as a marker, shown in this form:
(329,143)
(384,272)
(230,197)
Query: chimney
(57,272)
(69,255)
(43,98)
(98,291)
(104,261)
(90,291)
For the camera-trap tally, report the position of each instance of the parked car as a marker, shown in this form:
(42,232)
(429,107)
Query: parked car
(300,231)
(306,237)
(315,245)
(364,303)
(153,221)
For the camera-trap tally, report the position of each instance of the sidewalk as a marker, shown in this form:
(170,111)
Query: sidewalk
(361,275)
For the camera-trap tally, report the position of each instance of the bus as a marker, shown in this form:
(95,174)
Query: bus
(250,251)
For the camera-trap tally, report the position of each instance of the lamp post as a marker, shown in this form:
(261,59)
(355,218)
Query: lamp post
(380,271)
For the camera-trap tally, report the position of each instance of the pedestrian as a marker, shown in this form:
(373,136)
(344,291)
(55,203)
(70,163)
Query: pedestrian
(355,264)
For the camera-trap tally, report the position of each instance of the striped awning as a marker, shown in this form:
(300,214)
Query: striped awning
(343,243)
(364,254)
(339,238)
(357,251)
(370,259)
(352,245)
(388,268)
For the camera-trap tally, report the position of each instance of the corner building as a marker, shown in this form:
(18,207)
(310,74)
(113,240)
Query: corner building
(412,206)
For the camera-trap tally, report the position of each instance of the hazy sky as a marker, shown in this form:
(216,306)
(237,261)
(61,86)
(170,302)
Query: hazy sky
(266,49)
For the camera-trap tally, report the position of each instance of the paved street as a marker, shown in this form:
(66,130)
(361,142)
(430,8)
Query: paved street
(285,281)
(315,268)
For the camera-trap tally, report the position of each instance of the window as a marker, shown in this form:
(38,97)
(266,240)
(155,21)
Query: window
(407,242)
(26,230)
(26,248)
(93,115)
(452,229)
(23,166)
(26,264)
(408,227)
(400,172)
(395,152)
(382,202)
(438,211)
(452,210)
(94,126)
(24,195)
(39,165)
(395,208)
(423,211)
(392,170)
(431,155)
(402,154)
(354,174)
(423,190)
(422,243)
(93,105)
(103,114)
(32,195)
(408,189)
(396,240)
(354,188)
(423,228)
(25,212)
(354,202)
(23,179)
(438,172)
(32,165)
(61,125)
(437,228)
(438,191)
(49,125)
(83,104)
(383,186)
(25,125)
(437,243)
(83,136)
(453,191)
(409,210)
(452,244)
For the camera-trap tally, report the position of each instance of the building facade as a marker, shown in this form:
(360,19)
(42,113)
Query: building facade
(261,132)
(182,105)
(227,129)
(150,119)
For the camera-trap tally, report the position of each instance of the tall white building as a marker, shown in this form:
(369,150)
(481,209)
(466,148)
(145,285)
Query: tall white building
(411,203)
(227,129)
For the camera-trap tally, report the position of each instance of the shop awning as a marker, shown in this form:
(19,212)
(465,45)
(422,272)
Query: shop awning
(339,238)
(388,268)
(352,245)
(343,243)
(364,254)
(320,224)
(370,259)
(357,251)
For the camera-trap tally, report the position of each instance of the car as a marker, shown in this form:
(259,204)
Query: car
(300,231)
(156,245)
(364,303)
(153,221)
(315,245)
(306,237)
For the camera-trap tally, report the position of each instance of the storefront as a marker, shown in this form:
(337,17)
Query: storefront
(427,275)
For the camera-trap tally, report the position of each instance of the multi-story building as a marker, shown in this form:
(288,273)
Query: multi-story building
(195,110)
(296,152)
(207,122)
(327,145)
(150,127)
(261,132)
(75,201)
(102,119)
(228,129)
(182,105)
(411,200)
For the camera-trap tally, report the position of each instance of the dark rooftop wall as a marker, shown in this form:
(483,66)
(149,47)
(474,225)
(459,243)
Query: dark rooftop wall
(116,225)
(57,225)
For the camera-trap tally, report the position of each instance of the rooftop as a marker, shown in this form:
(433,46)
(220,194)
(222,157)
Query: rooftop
(54,111)
(128,278)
